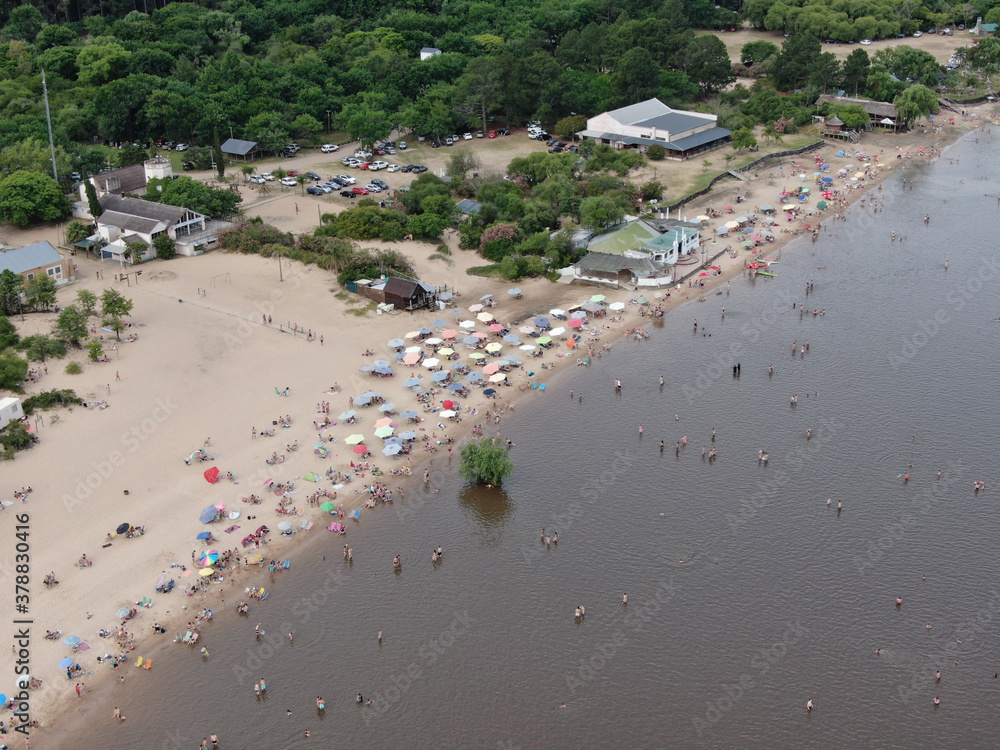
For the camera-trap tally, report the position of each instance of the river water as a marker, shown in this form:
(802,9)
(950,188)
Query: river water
(747,595)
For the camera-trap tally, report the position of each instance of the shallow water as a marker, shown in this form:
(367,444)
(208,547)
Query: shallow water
(747,595)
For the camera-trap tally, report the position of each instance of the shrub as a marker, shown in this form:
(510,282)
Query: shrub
(48,399)
(73,368)
(656,152)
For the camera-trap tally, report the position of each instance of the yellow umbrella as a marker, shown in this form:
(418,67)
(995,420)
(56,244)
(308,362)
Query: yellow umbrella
(477,355)
(254,559)
(412,335)
(206,572)
(485,317)
(701,218)
(789,207)
(446,351)
(498,378)
(494,347)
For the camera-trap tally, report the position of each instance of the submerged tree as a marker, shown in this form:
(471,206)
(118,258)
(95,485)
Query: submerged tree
(485,461)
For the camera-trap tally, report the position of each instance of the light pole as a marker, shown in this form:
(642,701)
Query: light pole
(328,120)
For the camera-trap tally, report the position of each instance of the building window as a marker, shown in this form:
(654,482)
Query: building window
(154,235)
(55,272)
(30,276)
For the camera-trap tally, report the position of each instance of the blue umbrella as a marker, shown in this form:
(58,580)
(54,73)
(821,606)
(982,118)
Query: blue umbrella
(386,408)
(439,377)
(513,292)
(470,340)
(366,368)
(3,698)
(396,343)
(542,322)
(208,515)
(425,331)
(392,450)
(408,435)
(408,414)
(489,392)
(410,382)
(439,322)
(473,377)
(394,441)
(205,535)
(454,386)
(510,338)
(347,414)
(363,400)
(71,640)
(372,394)
(380,363)
(485,297)
(383,370)
(63,663)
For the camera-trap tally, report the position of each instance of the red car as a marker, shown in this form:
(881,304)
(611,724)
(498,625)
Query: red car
(364,165)
(294,173)
(359,191)
(492,134)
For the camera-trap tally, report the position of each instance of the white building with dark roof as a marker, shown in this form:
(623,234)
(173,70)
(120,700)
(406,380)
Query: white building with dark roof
(682,134)
(135,220)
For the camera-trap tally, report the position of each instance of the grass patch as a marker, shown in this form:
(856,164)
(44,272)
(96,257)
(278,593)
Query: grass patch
(492,271)
(362,311)
(443,250)
(341,295)
(438,256)
(73,368)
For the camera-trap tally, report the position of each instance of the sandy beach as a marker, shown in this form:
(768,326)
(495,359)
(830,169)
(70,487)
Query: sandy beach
(206,371)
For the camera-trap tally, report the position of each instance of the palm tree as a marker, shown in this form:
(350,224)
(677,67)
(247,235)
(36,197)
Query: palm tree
(247,170)
(705,164)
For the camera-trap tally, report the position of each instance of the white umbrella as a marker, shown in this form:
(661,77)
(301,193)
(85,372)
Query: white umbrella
(557,331)
(527,347)
(432,362)
(434,341)
(467,324)
(498,378)
(447,413)
(412,349)
(616,306)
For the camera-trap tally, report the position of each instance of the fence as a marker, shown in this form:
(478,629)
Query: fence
(752,165)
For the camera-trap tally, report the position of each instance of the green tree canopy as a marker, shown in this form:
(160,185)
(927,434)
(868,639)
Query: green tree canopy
(28,198)
(194,194)
(915,102)
(485,462)
(115,308)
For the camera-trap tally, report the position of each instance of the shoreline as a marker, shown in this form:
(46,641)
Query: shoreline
(608,335)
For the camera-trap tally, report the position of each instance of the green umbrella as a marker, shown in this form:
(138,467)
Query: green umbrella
(748,243)
(355,439)
(384,432)
(821,205)
(327,507)
(598,298)
(544,340)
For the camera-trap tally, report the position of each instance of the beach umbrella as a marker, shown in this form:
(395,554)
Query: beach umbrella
(206,572)
(360,449)
(722,229)
(348,414)
(412,335)
(526,329)
(470,341)
(544,340)
(408,435)
(448,404)
(447,413)
(592,306)
(494,328)
(209,558)
(498,378)
(514,292)
(409,414)
(396,343)
(859,175)
(425,331)
(617,306)
(327,507)
(439,322)
(467,324)
(385,421)
(821,205)
(559,331)
(485,317)
(211,474)
(446,351)
(542,322)
(480,335)
(386,408)
(208,515)
(383,370)
(489,392)
(204,535)
(491,369)
(732,224)
(431,362)
(477,355)
(411,359)
(121,614)
(440,377)
(384,363)
(384,432)
(826,179)
(392,450)
(449,334)
(362,400)
(494,347)
(407,350)
(598,298)
(63,663)
(454,387)
(475,308)
(485,297)
(474,377)
(254,559)
(73,640)
(510,338)
(409,383)
(527,347)
(354,439)
(765,233)
(701,217)
(433,342)
(366,368)
(767,208)
(122,528)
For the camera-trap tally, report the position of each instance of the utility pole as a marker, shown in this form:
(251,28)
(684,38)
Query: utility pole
(48,120)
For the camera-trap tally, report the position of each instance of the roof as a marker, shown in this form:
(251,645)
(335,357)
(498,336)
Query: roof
(125,180)
(469,206)
(665,225)
(405,288)
(835,121)
(610,263)
(631,236)
(430,51)
(128,222)
(29,257)
(674,122)
(988,27)
(129,238)
(681,144)
(879,109)
(142,208)
(633,114)
(238,147)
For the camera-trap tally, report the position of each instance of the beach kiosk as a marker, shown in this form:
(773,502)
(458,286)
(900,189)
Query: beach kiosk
(10,411)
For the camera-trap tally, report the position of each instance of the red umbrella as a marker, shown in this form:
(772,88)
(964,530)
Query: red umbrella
(575,323)
(212,474)
(448,404)
(360,450)
(495,327)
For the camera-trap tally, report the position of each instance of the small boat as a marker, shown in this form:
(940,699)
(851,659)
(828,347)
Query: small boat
(766,273)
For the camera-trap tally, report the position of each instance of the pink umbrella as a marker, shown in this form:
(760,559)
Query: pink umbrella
(495,327)
(449,334)
(384,422)
(412,358)
(475,308)
(479,335)
(491,369)
(360,450)
(575,323)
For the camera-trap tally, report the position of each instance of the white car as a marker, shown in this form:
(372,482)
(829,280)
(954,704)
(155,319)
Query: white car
(866,42)
(377,165)
(362,154)
(288,181)
(467,136)
(257,179)
(268,177)
(373,188)
(329,148)
(181,147)
(394,167)
(345,179)
(918,34)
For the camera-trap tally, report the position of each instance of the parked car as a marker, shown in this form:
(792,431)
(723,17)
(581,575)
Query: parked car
(492,134)
(268,177)
(419,169)
(503,131)
(932,31)
(866,42)
(402,145)
(347,193)
(480,134)
(406,168)
(182,147)
(75,176)
(168,145)
(468,136)
(313,176)
(359,191)
(288,181)
(293,147)
(556,150)
(329,188)
(362,154)
(293,173)
(316,190)
(286,153)
(329,148)
(257,179)
(345,178)
(435,144)
(448,141)
(365,165)
(381,183)
(373,188)
(917,34)
(187,166)
(377,165)
(393,167)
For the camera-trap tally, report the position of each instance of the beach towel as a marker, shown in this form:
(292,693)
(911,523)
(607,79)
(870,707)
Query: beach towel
(83,646)
(231,529)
